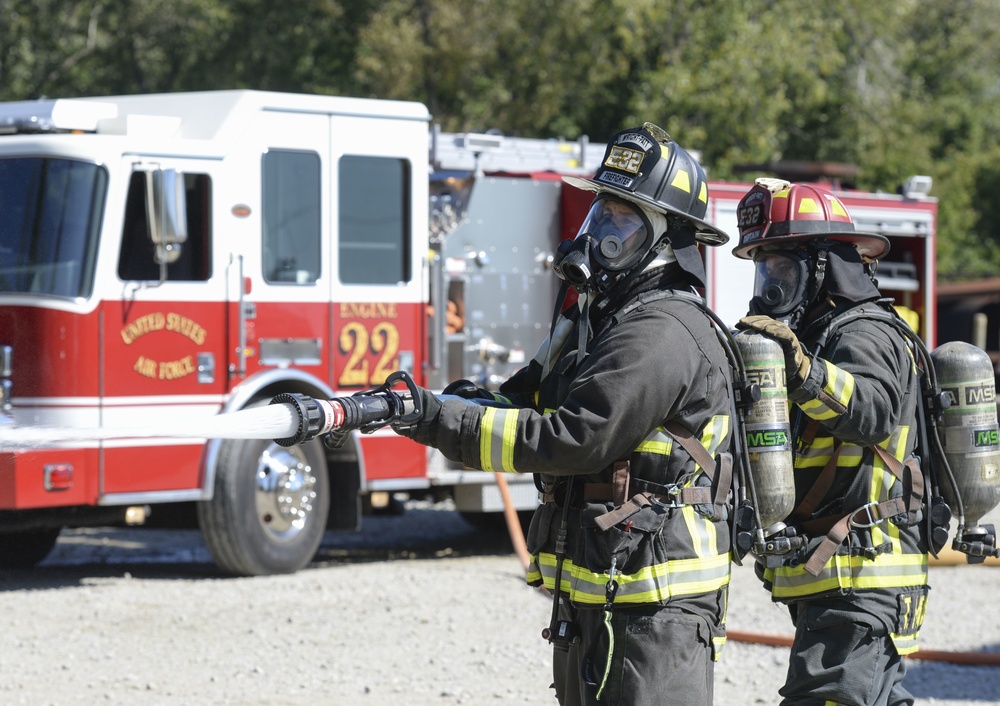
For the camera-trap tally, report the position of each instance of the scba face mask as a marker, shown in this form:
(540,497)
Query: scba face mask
(614,237)
(780,284)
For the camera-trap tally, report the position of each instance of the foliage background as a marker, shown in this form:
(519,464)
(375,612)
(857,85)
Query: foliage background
(897,87)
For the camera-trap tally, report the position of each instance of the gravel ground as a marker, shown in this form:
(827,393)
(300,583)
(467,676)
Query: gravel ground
(416,609)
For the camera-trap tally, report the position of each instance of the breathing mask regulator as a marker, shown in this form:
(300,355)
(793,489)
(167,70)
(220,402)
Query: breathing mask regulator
(788,282)
(615,238)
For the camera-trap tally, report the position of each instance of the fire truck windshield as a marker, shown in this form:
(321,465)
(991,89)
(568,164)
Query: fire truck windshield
(50,215)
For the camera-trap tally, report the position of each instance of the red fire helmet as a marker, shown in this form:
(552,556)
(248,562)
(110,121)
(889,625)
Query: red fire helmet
(778,213)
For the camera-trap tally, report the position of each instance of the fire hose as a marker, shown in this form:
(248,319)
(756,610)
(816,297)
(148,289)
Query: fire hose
(991,659)
(372,409)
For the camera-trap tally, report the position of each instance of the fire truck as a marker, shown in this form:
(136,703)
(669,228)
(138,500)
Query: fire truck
(167,259)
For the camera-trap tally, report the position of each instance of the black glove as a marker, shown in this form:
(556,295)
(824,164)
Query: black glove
(467,389)
(423,429)
(797,362)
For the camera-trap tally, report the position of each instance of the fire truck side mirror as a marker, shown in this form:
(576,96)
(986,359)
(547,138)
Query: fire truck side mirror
(166,209)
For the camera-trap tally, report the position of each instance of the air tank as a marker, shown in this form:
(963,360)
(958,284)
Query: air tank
(968,429)
(768,431)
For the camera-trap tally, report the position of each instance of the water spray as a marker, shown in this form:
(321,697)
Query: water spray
(289,419)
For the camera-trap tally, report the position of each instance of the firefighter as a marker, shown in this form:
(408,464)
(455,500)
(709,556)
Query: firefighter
(624,418)
(856,588)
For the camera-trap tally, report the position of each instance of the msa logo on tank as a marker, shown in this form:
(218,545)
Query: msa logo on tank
(768,378)
(767,439)
(986,438)
(968,397)
(973,394)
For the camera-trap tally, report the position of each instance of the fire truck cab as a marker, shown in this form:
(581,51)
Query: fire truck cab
(167,258)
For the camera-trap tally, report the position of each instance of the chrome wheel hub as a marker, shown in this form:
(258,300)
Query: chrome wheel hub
(286,491)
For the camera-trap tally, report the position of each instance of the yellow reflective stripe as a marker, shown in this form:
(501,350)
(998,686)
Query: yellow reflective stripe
(533,576)
(661,448)
(704,538)
(882,482)
(817,409)
(486,438)
(658,442)
(697,539)
(839,383)
(718,643)
(509,439)
(676,577)
(906,645)
(879,489)
(851,572)
(497,434)
(715,433)
(818,454)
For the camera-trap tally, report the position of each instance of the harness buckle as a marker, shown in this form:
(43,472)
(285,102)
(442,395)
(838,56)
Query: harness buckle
(871,510)
(670,499)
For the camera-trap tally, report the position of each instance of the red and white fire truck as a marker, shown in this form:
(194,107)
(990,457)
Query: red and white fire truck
(169,258)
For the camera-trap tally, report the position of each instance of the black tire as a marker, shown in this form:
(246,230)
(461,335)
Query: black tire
(22,550)
(252,525)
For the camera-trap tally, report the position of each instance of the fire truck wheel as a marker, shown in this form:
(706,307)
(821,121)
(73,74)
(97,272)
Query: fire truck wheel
(269,509)
(22,550)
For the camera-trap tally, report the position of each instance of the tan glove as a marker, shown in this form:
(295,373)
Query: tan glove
(797,361)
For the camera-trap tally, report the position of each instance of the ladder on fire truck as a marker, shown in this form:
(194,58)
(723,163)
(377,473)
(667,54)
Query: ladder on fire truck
(491,153)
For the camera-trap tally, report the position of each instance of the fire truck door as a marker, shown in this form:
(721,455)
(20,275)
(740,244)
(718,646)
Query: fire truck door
(378,260)
(165,350)
(285,298)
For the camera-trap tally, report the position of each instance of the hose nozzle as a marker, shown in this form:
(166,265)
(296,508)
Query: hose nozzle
(315,417)
(367,410)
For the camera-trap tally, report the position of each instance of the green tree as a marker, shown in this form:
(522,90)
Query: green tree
(535,68)
(953,66)
(897,88)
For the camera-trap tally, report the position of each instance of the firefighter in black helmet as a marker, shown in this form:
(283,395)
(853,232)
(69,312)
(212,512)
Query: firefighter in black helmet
(856,586)
(624,418)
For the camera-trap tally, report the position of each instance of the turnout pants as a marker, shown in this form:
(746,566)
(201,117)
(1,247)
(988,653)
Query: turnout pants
(662,656)
(842,655)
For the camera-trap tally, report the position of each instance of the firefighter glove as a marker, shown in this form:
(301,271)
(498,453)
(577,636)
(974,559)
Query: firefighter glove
(424,429)
(466,389)
(797,362)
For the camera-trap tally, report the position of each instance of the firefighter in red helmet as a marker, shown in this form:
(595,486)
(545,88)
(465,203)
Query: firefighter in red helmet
(856,582)
(624,418)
